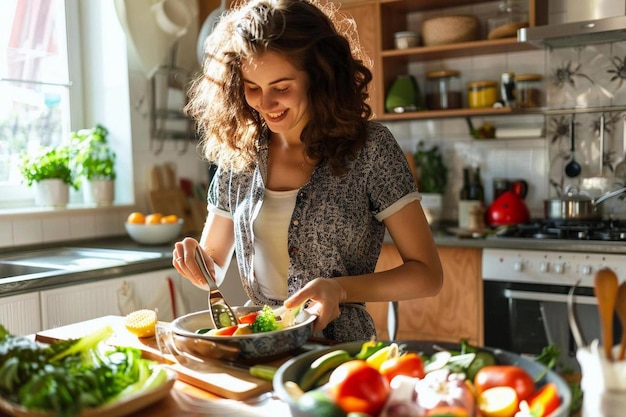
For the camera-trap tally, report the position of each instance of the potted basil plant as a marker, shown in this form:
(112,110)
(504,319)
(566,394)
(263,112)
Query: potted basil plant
(50,172)
(94,164)
(432,178)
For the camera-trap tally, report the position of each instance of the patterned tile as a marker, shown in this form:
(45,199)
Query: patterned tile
(581,77)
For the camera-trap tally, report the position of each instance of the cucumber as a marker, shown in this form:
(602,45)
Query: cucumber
(321,366)
(483,358)
(316,403)
(265,372)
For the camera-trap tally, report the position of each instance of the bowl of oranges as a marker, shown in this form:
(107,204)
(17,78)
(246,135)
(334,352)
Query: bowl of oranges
(153,228)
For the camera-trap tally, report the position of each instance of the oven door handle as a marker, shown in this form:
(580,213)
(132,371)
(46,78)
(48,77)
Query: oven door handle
(550,297)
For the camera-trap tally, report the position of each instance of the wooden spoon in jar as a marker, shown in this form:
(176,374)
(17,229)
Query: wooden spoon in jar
(620,307)
(605,290)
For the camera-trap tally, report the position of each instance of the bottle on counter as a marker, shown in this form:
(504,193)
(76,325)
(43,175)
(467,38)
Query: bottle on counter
(477,191)
(508,92)
(471,200)
(465,188)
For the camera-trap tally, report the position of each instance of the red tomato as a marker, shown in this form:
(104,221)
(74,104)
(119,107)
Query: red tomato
(545,400)
(410,364)
(359,387)
(226,331)
(505,375)
(248,318)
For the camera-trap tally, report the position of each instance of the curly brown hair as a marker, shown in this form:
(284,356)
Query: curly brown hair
(316,39)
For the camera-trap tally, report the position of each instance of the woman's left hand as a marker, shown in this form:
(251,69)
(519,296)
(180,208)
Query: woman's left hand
(325,295)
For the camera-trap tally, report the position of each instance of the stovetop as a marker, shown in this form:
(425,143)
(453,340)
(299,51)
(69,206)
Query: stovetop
(604,230)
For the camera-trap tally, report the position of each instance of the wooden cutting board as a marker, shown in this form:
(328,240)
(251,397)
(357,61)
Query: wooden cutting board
(220,379)
(166,197)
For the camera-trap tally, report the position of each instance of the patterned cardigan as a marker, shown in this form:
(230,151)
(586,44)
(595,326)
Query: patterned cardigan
(336,228)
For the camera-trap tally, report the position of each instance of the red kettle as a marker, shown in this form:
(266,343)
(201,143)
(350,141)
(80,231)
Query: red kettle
(508,208)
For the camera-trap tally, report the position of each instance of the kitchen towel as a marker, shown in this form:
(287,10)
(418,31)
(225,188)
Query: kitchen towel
(168,302)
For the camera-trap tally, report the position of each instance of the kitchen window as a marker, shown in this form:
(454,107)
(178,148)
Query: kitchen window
(39,81)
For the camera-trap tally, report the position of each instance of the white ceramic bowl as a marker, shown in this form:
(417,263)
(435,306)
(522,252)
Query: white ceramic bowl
(154,234)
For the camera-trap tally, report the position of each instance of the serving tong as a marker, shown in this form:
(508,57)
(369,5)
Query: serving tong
(218,307)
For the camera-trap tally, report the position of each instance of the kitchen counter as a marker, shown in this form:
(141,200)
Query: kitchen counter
(443,238)
(161,258)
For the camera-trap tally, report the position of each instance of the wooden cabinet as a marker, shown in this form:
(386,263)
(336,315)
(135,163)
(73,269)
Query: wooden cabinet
(455,313)
(365,14)
(391,16)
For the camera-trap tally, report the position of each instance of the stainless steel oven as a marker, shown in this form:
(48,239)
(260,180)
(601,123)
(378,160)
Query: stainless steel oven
(525,299)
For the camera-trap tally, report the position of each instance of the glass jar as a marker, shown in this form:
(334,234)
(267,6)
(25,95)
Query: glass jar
(443,90)
(528,90)
(404,40)
(509,14)
(482,94)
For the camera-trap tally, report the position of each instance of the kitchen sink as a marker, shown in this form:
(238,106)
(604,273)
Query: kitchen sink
(8,270)
(68,258)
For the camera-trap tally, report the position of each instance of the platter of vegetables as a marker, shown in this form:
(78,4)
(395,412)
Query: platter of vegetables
(419,379)
(81,377)
(259,334)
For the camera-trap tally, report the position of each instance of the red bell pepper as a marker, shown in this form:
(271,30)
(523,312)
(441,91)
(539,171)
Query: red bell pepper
(248,318)
(226,331)
(545,400)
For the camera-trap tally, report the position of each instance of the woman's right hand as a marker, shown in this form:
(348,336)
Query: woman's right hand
(184,260)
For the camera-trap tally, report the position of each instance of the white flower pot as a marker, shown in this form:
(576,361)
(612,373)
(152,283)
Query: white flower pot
(432,204)
(52,193)
(100,192)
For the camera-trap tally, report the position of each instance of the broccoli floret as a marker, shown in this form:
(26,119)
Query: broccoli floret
(265,321)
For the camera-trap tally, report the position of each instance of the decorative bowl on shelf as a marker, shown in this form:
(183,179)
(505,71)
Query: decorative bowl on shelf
(154,234)
(255,346)
(443,30)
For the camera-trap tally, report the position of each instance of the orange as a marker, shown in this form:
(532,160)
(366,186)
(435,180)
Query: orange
(154,218)
(172,218)
(136,218)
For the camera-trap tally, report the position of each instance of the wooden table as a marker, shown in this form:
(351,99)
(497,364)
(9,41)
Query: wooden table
(185,386)
(170,406)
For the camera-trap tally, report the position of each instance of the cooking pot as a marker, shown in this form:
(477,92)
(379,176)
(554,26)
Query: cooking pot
(576,206)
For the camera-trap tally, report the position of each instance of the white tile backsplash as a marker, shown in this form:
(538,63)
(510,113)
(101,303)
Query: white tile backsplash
(56,229)
(83,226)
(37,227)
(6,233)
(27,231)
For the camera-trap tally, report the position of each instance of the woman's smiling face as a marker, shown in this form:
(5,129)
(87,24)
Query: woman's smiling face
(278,91)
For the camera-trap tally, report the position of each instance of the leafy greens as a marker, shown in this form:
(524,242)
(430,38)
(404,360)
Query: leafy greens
(66,377)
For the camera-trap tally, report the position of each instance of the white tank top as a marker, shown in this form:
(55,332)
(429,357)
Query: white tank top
(271,257)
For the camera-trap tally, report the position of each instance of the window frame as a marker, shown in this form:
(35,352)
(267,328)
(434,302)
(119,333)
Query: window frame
(20,195)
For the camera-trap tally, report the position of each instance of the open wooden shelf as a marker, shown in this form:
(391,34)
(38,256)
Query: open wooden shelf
(455,50)
(440,114)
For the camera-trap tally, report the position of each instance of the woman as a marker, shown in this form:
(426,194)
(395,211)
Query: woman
(306,184)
